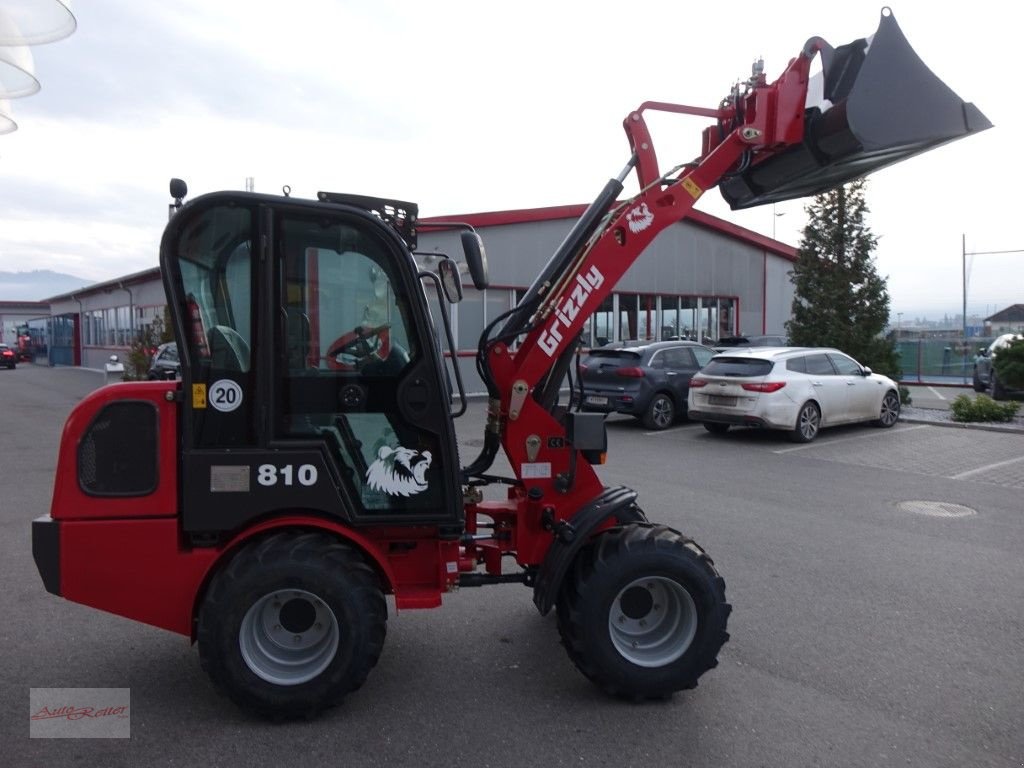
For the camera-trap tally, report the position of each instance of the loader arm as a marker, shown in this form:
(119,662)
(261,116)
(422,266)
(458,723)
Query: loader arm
(749,126)
(874,103)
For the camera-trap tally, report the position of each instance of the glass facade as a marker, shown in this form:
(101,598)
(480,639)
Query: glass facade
(620,317)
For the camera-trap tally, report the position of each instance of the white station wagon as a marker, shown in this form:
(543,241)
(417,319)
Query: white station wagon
(795,389)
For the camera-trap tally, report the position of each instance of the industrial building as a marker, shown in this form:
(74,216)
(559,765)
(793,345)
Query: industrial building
(703,278)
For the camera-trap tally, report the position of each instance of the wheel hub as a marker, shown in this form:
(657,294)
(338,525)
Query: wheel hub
(288,637)
(652,621)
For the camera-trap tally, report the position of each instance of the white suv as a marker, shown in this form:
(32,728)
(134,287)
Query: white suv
(796,389)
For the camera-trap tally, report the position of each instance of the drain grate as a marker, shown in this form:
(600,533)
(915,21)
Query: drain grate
(936,509)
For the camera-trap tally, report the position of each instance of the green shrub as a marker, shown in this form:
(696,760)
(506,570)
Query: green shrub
(905,398)
(1009,365)
(982,408)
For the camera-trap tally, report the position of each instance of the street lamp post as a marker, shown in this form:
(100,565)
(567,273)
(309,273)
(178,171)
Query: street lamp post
(775,217)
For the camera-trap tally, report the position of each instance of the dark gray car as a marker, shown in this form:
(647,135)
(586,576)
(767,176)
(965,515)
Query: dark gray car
(647,380)
(985,376)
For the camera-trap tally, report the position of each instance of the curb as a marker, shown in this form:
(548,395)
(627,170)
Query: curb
(1012,429)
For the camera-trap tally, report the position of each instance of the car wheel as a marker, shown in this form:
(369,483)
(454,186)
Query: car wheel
(660,413)
(293,623)
(998,392)
(808,422)
(979,385)
(890,412)
(716,428)
(642,613)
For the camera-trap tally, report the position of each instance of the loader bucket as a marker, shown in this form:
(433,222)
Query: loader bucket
(886,106)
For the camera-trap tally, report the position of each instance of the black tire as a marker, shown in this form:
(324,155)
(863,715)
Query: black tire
(808,423)
(613,589)
(660,413)
(716,427)
(979,385)
(309,587)
(998,391)
(890,412)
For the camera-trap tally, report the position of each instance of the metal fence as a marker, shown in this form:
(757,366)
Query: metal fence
(939,361)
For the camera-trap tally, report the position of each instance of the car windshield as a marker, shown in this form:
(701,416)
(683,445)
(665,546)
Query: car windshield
(737,366)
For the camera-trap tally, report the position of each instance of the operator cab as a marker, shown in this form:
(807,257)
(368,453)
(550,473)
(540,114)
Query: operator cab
(311,375)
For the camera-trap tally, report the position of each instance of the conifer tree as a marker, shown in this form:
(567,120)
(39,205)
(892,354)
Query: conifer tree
(840,299)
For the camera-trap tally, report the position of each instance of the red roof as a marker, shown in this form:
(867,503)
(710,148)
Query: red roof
(701,219)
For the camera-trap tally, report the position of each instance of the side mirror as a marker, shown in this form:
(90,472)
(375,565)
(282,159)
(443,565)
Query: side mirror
(865,371)
(451,281)
(476,258)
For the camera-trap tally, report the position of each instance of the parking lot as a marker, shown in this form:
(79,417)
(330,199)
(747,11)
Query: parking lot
(876,579)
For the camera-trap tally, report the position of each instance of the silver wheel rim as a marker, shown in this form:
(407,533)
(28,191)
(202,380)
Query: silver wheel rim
(661,412)
(890,409)
(807,424)
(652,621)
(288,637)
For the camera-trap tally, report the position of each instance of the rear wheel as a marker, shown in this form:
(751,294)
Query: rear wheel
(716,427)
(643,613)
(890,412)
(808,422)
(292,624)
(660,413)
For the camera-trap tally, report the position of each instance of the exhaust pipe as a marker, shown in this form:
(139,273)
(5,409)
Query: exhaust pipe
(874,104)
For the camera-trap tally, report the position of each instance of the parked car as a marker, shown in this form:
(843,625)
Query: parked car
(165,363)
(8,357)
(985,376)
(648,380)
(797,389)
(726,343)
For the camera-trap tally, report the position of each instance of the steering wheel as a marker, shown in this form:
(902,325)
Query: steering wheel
(365,344)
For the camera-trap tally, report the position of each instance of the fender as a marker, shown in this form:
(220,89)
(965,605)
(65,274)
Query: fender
(365,545)
(616,502)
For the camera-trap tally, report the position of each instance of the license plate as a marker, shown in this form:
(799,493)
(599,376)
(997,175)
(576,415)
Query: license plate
(595,400)
(721,400)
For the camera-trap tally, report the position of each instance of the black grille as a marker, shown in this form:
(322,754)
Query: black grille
(118,454)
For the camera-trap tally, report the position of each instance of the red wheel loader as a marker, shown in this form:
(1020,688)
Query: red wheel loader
(305,466)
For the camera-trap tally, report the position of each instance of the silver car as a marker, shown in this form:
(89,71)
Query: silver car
(795,389)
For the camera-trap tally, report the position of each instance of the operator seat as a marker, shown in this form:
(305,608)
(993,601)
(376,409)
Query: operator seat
(228,350)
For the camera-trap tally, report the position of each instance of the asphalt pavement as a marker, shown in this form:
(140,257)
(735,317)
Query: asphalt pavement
(876,578)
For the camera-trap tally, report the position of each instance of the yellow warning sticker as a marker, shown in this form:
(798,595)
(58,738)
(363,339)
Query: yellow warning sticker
(198,395)
(692,188)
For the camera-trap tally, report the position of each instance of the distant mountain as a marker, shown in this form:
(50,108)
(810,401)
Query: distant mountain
(37,285)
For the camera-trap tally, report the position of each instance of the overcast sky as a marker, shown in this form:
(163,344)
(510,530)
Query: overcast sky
(474,106)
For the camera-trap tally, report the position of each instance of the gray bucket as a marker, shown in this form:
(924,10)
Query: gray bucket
(886,106)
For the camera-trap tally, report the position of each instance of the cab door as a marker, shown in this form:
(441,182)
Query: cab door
(357,371)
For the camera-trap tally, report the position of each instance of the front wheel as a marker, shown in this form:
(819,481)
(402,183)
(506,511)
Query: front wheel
(979,385)
(890,412)
(643,613)
(293,623)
